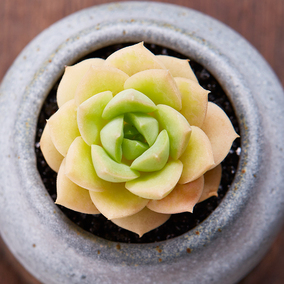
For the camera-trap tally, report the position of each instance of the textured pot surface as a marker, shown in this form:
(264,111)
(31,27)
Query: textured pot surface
(235,236)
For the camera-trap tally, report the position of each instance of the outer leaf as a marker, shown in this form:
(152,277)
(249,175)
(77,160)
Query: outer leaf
(72,196)
(138,58)
(182,199)
(50,153)
(198,156)
(63,127)
(118,202)
(80,169)
(158,85)
(177,127)
(178,67)
(71,78)
(89,117)
(155,158)
(212,180)
(194,101)
(220,132)
(158,184)
(142,222)
(128,101)
(109,170)
(100,79)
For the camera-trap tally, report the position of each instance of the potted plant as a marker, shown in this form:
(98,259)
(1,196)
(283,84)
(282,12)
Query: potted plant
(57,251)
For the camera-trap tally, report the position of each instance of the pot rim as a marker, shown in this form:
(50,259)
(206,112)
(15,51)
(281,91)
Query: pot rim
(104,25)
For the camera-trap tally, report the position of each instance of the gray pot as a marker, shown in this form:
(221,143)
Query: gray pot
(234,237)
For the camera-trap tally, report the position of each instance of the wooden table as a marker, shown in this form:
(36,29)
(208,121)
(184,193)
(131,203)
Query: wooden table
(259,21)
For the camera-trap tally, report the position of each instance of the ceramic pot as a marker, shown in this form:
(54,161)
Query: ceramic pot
(230,242)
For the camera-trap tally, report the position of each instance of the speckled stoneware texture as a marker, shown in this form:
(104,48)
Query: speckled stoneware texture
(235,236)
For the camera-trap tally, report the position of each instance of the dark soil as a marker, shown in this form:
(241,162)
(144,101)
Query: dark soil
(178,223)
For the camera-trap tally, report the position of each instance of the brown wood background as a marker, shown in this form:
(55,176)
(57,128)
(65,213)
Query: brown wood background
(259,21)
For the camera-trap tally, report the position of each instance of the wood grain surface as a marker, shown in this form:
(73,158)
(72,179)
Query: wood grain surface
(259,21)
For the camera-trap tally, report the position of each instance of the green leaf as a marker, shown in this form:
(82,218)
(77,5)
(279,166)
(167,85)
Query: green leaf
(109,170)
(155,158)
(132,149)
(177,127)
(128,101)
(146,124)
(112,136)
(157,185)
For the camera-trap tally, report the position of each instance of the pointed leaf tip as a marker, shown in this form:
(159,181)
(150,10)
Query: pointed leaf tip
(142,222)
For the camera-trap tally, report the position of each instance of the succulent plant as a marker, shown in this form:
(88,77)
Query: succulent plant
(135,139)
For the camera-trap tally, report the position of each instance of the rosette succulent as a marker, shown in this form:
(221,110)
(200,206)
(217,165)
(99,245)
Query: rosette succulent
(135,139)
